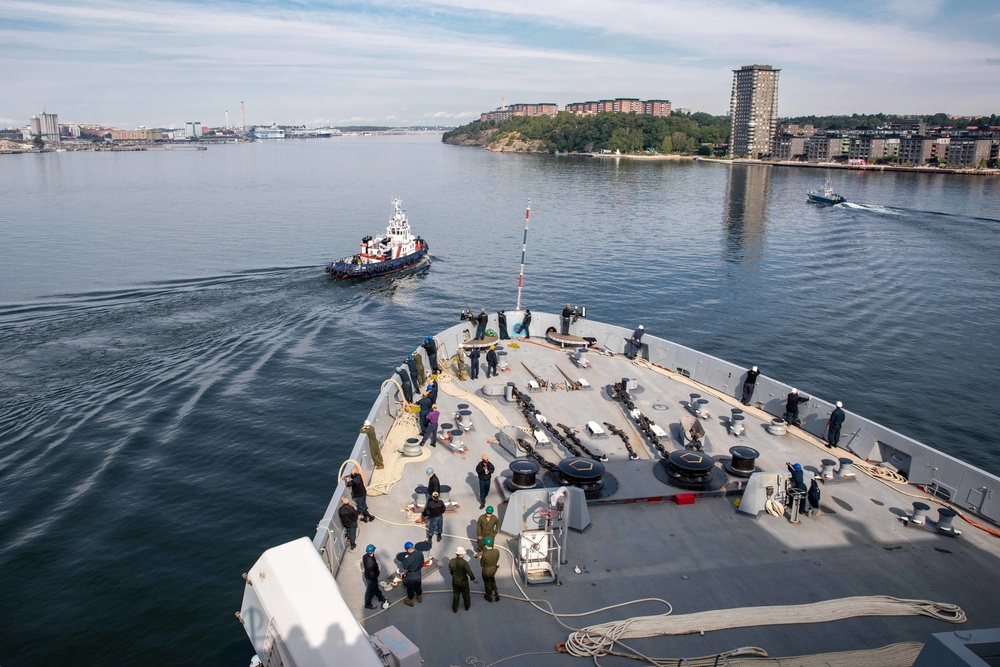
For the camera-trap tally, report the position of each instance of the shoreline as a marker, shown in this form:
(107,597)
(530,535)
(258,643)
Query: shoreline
(636,157)
(859,167)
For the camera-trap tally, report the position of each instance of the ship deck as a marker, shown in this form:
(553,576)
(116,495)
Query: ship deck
(697,557)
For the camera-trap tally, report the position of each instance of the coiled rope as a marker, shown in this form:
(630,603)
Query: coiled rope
(393,460)
(902,654)
(599,639)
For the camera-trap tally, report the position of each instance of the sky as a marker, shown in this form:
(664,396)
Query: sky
(399,62)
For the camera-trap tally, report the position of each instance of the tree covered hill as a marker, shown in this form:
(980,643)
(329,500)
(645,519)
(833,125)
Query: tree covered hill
(567,132)
(877,120)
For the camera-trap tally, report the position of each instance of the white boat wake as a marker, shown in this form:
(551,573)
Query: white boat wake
(871,207)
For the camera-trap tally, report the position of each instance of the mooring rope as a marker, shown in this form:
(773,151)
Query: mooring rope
(393,460)
(902,654)
(599,639)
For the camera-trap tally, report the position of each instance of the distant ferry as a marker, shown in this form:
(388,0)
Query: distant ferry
(394,251)
(825,196)
(273,132)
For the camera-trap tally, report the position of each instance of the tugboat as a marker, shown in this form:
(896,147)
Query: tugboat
(394,251)
(825,196)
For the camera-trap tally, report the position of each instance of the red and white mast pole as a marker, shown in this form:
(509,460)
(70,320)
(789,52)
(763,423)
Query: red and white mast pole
(524,249)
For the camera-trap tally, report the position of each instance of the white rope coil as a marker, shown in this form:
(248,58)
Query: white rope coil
(902,654)
(599,639)
(393,461)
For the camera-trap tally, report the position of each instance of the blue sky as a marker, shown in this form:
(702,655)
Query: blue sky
(396,62)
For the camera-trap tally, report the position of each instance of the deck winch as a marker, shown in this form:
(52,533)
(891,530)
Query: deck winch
(523,475)
(690,470)
(743,461)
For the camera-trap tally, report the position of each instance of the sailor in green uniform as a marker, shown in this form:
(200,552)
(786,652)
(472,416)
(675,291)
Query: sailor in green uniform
(373,445)
(461,573)
(490,561)
(487,526)
(421,375)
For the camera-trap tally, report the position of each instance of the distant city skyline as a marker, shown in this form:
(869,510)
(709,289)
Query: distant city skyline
(443,62)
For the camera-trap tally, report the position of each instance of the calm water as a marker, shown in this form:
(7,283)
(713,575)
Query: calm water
(179,382)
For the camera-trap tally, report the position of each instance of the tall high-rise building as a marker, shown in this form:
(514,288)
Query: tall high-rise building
(753,110)
(46,125)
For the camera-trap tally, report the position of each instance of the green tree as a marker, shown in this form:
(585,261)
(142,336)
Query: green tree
(37,141)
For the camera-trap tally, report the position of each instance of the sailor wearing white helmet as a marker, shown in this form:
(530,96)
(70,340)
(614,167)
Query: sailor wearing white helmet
(833,426)
(634,344)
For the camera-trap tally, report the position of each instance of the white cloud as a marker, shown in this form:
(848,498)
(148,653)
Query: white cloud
(301,62)
(450,114)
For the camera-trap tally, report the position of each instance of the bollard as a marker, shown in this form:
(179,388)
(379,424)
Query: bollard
(945,517)
(446,432)
(827,472)
(846,468)
(508,392)
(777,427)
(736,423)
(465,419)
(456,438)
(919,513)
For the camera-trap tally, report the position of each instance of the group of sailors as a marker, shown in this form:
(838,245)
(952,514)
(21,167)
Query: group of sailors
(792,402)
(411,561)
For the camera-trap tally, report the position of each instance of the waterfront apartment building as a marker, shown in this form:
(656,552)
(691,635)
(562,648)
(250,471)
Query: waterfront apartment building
(46,126)
(140,134)
(864,150)
(825,149)
(968,152)
(753,110)
(917,150)
(506,113)
(789,147)
(192,130)
(620,105)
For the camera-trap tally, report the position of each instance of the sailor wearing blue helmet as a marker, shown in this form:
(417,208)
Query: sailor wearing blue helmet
(372,571)
(430,347)
(433,483)
(412,563)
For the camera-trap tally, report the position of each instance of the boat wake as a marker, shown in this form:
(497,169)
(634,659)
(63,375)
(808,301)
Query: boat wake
(873,208)
(103,392)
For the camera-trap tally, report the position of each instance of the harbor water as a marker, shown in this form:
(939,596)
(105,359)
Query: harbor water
(180,381)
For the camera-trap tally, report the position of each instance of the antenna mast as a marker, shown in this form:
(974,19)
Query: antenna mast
(524,249)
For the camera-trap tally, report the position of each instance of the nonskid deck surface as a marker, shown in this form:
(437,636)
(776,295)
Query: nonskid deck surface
(697,557)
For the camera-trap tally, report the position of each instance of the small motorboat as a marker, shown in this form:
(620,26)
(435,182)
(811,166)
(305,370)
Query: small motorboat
(825,196)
